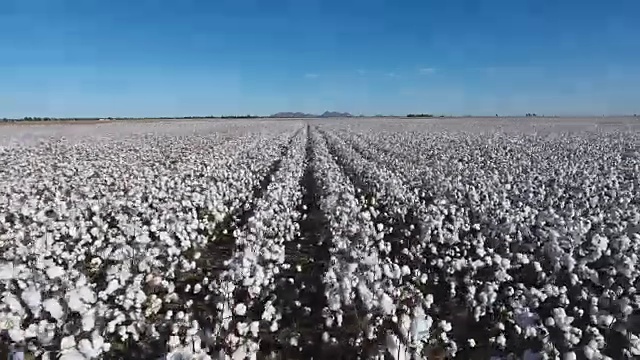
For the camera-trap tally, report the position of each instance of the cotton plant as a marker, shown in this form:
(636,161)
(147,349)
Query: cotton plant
(512,240)
(84,241)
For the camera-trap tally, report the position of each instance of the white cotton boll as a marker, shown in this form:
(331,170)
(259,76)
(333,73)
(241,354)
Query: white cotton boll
(46,332)
(242,353)
(13,303)
(537,266)
(97,341)
(293,341)
(339,319)
(112,286)
(483,297)
(88,321)
(241,309)
(242,328)
(72,354)
(606,320)
(7,271)
(180,354)
(67,342)
(395,348)
(111,327)
(328,322)
(54,272)
(75,302)
(143,239)
(16,334)
(420,326)
(122,331)
(87,349)
(386,303)
(32,298)
(428,301)
(174,341)
(445,326)
(406,270)
(325,337)
(140,297)
(96,262)
(274,326)
(31,331)
(255,328)
(191,332)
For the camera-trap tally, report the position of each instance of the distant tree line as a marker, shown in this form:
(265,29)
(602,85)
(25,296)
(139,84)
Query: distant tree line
(531,115)
(420,115)
(30,118)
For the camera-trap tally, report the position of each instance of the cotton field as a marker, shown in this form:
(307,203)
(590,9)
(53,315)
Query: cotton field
(342,239)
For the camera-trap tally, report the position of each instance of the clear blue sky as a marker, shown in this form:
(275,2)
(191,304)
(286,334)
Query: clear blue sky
(187,57)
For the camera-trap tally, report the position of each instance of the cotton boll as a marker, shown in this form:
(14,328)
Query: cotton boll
(428,301)
(74,301)
(606,320)
(420,325)
(293,341)
(387,304)
(589,352)
(122,331)
(32,298)
(45,335)
(197,288)
(395,347)
(53,307)
(242,328)
(54,272)
(240,309)
(67,342)
(17,335)
(88,321)
(445,326)
(72,354)
(87,349)
(7,271)
(174,341)
(254,328)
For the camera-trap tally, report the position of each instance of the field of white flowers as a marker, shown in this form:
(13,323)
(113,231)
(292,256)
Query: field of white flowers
(343,239)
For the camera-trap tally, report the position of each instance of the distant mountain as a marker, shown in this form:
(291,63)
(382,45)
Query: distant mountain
(335,114)
(326,114)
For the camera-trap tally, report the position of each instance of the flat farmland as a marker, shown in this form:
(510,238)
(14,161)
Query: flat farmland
(322,238)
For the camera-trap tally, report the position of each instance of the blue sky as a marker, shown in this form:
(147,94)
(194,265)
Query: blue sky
(192,57)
